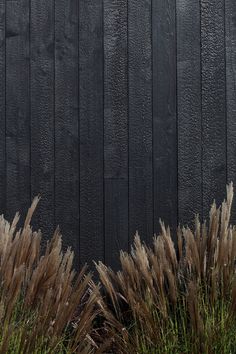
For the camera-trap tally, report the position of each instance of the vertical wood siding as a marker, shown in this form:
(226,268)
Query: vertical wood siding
(117,112)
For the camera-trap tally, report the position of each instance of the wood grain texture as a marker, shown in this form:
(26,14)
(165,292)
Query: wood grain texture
(116,225)
(42,111)
(140,119)
(91,130)
(17,108)
(115,129)
(189,110)
(67,121)
(2,109)
(117,112)
(164,113)
(230,33)
(213,102)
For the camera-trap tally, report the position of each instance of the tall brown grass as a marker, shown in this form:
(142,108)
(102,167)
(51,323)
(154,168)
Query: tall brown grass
(165,299)
(182,299)
(44,306)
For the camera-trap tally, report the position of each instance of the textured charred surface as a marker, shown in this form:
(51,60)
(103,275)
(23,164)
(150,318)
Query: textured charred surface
(189,109)
(213,102)
(117,112)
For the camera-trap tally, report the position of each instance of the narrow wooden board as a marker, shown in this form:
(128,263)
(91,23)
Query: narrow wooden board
(140,119)
(2,109)
(189,110)
(230,36)
(67,122)
(115,129)
(42,111)
(91,130)
(213,102)
(165,147)
(17,108)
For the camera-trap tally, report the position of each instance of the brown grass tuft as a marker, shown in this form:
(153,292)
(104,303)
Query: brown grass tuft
(43,303)
(171,300)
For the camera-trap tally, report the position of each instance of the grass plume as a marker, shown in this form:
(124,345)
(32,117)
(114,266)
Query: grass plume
(168,299)
(44,306)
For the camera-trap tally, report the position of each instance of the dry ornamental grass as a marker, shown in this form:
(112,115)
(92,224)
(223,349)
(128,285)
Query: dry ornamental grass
(44,306)
(182,299)
(165,299)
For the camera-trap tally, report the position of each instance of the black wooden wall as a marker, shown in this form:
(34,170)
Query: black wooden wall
(118,112)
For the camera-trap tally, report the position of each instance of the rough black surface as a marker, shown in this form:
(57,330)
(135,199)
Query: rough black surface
(117,112)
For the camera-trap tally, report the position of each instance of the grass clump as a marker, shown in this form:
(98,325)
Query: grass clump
(182,299)
(167,298)
(44,306)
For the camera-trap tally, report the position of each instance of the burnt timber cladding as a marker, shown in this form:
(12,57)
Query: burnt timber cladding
(117,112)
